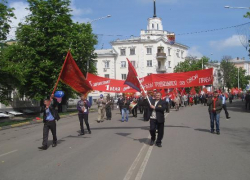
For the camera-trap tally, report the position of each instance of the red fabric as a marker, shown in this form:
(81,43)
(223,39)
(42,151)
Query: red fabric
(192,92)
(191,100)
(205,90)
(132,79)
(72,76)
(108,85)
(215,99)
(163,93)
(175,80)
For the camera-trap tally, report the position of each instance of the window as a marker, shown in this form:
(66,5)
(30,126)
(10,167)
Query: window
(149,50)
(95,64)
(178,54)
(106,64)
(159,64)
(123,52)
(157,26)
(169,64)
(153,26)
(149,74)
(169,51)
(132,51)
(182,52)
(149,63)
(106,75)
(124,76)
(123,64)
(133,63)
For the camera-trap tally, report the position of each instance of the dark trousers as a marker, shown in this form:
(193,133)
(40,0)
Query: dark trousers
(108,113)
(49,125)
(160,127)
(248,103)
(134,111)
(84,117)
(224,106)
(167,107)
(146,114)
(140,109)
(120,107)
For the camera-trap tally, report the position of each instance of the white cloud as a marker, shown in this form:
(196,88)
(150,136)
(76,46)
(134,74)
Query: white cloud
(233,41)
(20,13)
(79,11)
(193,51)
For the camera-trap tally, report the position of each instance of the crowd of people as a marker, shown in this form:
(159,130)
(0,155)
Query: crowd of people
(153,106)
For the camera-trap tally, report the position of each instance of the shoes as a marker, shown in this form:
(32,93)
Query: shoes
(212,132)
(89,132)
(152,143)
(43,147)
(228,117)
(159,145)
(218,133)
(54,144)
(81,134)
(98,121)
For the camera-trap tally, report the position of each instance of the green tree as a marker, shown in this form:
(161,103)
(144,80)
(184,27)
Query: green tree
(191,64)
(5,15)
(228,72)
(42,44)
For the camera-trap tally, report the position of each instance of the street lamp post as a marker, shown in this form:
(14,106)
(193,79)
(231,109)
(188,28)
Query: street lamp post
(90,22)
(238,78)
(237,7)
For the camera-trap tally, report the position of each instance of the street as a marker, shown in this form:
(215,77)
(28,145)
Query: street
(120,151)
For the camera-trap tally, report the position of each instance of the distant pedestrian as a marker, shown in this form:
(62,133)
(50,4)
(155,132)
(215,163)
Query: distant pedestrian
(247,99)
(125,109)
(83,113)
(49,116)
(224,106)
(215,107)
(108,107)
(101,102)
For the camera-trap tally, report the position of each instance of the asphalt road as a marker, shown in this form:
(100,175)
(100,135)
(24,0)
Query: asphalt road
(120,151)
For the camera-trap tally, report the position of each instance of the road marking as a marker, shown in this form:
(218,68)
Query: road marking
(8,153)
(134,164)
(144,164)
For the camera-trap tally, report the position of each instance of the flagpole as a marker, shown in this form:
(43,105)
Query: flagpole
(144,90)
(60,73)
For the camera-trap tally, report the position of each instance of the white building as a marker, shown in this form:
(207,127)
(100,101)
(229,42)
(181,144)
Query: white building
(149,53)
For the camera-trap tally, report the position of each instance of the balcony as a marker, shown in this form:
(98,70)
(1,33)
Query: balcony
(161,56)
(161,70)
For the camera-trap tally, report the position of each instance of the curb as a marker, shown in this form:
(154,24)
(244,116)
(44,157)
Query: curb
(31,122)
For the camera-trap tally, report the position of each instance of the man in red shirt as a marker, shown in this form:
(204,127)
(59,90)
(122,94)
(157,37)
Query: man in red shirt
(215,107)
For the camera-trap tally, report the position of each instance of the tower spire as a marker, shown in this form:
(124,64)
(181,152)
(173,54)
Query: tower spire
(154,10)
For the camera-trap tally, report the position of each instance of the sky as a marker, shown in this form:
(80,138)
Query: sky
(128,17)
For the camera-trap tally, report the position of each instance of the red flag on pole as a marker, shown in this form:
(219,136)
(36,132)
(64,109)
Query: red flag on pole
(192,92)
(132,79)
(72,76)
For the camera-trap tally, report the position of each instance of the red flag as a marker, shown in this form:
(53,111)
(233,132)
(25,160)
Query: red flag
(192,92)
(163,93)
(205,90)
(72,76)
(132,79)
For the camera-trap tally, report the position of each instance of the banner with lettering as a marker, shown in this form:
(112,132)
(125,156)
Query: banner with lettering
(108,85)
(175,80)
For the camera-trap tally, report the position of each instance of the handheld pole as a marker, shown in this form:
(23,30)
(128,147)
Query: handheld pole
(144,91)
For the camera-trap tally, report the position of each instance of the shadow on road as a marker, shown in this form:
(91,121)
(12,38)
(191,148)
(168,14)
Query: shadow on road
(203,130)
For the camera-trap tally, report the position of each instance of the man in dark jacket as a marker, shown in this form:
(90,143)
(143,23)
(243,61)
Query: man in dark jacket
(83,113)
(49,117)
(215,107)
(157,118)
(247,99)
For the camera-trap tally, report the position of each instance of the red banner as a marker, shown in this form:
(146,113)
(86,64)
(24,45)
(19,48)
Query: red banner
(108,85)
(175,80)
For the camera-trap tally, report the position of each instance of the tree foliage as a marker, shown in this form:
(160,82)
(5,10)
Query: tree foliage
(191,64)
(230,74)
(42,44)
(5,15)
(247,15)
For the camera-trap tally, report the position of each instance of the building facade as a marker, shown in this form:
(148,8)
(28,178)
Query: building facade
(151,52)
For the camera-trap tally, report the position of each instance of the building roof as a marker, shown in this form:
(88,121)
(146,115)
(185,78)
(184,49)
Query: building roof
(140,40)
(105,52)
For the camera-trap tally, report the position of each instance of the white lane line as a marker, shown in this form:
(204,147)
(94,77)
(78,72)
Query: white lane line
(145,161)
(144,164)
(134,164)
(8,153)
